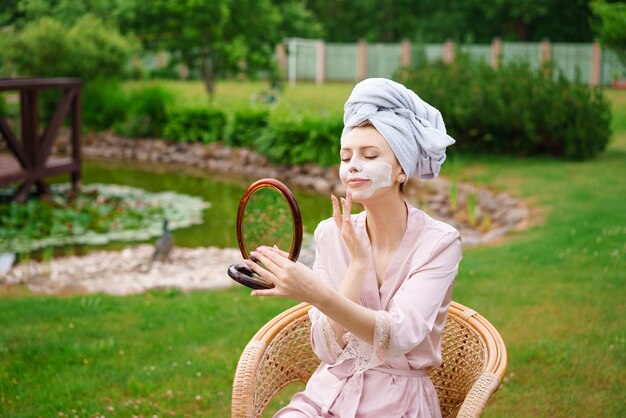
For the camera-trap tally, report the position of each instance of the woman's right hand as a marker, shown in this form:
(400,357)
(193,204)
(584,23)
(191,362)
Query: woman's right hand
(343,220)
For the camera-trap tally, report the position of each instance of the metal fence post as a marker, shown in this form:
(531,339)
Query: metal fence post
(596,65)
(545,56)
(496,52)
(281,58)
(545,51)
(361,60)
(405,53)
(448,52)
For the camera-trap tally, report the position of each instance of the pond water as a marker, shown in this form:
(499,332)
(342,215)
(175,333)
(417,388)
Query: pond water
(223,193)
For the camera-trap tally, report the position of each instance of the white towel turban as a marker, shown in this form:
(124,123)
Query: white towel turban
(414,129)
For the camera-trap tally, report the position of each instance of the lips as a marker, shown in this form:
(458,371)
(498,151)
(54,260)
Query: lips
(357,181)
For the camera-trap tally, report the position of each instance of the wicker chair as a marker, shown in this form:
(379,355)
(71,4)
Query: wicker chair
(474,362)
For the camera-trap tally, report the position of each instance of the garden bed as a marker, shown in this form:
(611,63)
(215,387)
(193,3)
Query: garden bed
(101,213)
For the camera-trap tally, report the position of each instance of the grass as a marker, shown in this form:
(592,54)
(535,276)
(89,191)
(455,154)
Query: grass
(556,292)
(308,97)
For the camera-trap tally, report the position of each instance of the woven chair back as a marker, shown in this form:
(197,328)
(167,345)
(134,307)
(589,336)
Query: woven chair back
(288,358)
(463,355)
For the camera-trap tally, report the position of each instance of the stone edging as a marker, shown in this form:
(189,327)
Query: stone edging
(495,214)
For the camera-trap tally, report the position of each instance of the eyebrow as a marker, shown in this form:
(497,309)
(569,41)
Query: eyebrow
(365,147)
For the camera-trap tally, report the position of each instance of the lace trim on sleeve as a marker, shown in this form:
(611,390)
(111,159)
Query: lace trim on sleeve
(329,338)
(367,356)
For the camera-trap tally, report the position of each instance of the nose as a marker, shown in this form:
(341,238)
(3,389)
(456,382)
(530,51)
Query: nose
(355,165)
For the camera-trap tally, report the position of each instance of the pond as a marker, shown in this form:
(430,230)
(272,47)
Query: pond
(223,193)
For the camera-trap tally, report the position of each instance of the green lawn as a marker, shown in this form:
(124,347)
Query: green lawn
(303,97)
(556,292)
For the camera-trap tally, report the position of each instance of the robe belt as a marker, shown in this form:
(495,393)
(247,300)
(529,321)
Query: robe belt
(352,395)
(402,372)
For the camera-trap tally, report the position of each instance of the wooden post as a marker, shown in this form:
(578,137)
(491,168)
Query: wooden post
(361,60)
(405,53)
(77,126)
(496,52)
(448,52)
(595,78)
(33,152)
(320,62)
(30,123)
(281,58)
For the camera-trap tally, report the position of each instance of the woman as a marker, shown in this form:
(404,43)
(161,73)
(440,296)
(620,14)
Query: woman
(382,280)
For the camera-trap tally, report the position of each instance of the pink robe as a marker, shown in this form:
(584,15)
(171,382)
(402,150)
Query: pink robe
(389,378)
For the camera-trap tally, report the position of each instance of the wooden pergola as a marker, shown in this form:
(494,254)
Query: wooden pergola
(30,162)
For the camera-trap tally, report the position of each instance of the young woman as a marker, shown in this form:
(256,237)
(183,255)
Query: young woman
(382,280)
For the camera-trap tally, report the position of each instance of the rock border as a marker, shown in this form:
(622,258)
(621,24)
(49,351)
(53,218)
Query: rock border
(481,215)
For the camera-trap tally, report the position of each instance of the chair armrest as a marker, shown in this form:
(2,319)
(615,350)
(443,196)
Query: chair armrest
(245,380)
(476,399)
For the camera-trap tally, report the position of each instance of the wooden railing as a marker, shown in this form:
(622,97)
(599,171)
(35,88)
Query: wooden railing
(30,161)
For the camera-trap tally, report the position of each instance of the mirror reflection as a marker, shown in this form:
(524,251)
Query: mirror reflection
(267,220)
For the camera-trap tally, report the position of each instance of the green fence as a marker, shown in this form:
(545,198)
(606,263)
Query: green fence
(344,62)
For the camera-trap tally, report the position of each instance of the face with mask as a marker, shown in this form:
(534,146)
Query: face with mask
(369,167)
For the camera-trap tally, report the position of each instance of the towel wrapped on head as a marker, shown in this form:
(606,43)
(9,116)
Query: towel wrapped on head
(414,129)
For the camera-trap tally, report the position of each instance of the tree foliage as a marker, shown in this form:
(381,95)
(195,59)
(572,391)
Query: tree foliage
(610,26)
(461,20)
(88,49)
(219,36)
(18,13)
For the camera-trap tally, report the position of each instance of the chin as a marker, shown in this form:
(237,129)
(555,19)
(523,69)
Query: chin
(359,196)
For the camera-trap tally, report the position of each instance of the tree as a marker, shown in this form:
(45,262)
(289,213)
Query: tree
(89,49)
(218,36)
(610,26)
(18,13)
(462,20)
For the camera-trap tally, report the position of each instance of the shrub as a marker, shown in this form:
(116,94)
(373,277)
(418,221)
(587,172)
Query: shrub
(48,48)
(514,110)
(147,112)
(168,72)
(203,124)
(105,105)
(297,139)
(246,126)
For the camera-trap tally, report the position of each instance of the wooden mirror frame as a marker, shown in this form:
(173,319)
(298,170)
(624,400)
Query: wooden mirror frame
(242,273)
(296,242)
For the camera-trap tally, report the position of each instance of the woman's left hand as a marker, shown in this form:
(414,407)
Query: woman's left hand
(291,279)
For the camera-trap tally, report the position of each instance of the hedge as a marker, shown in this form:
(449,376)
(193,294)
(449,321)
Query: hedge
(514,110)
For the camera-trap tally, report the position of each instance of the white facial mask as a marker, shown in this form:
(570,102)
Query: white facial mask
(378,172)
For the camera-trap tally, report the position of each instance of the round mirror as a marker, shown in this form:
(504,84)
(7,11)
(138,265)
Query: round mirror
(268,215)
